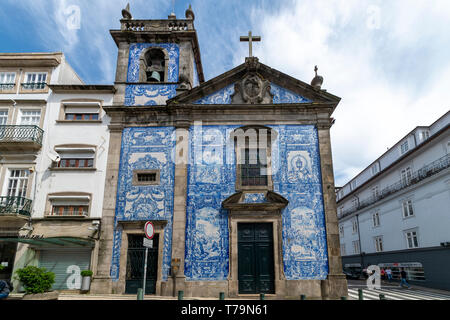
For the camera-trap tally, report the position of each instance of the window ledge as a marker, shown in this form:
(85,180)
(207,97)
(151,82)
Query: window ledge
(72,169)
(50,217)
(79,121)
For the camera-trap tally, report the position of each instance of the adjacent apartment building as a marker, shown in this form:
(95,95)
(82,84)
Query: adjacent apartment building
(396,212)
(53,142)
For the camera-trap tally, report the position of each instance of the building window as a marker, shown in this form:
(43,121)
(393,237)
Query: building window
(406,175)
(424,135)
(404,147)
(155,65)
(375,192)
(7,80)
(35,80)
(354,226)
(355,203)
(18,183)
(3,117)
(69,205)
(252,148)
(254,167)
(353,185)
(343,253)
(80,111)
(378,244)
(341,211)
(70,210)
(407,208)
(341,231)
(30,117)
(72,157)
(375,169)
(411,239)
(356,247)
(146,177)
(376,219)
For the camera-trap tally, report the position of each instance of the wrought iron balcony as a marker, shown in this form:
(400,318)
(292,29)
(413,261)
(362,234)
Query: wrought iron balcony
(7,86)
(417,176)
(15,205)
(34,85)
(20,137)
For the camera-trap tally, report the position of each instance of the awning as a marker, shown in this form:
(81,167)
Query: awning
(57,241)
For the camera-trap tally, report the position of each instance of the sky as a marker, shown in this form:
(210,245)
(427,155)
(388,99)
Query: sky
(389,61)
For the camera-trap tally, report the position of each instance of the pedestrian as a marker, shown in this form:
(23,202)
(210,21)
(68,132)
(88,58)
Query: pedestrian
(383,274)
(389,274)
(4,289)
(403,279)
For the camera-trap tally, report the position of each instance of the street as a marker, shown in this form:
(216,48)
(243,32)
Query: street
(392,291)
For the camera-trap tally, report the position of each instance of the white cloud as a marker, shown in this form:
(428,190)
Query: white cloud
(362,50)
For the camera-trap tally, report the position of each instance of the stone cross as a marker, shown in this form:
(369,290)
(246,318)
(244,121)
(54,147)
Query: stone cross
(250,39)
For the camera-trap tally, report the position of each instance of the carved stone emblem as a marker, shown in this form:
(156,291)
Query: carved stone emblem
(252,89)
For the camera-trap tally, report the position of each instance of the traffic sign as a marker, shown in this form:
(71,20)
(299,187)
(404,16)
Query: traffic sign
(149,230)
(148,243)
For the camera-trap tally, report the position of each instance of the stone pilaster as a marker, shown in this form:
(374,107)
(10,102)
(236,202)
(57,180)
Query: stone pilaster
(179,211)
(101,282)
(336,285)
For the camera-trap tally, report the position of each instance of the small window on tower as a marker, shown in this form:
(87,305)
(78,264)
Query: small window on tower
(155,65)
(145,177)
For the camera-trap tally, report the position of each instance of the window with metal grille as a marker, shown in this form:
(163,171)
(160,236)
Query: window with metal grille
(254,167)
(146,177)
(70,210)
(35,80)
(76,163)
(7,80)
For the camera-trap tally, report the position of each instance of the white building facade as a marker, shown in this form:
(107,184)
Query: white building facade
(53,145)
(396,212)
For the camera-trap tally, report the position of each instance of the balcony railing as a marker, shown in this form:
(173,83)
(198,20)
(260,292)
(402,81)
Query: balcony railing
(34,86)
(417,176)
(157,25)
(7,86)
(25,133)
(15,205)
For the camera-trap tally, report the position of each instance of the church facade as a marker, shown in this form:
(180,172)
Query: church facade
(235,174)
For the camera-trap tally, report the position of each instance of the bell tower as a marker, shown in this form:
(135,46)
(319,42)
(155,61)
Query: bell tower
(156,60)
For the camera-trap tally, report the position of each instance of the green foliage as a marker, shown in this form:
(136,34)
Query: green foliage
(2,267)
(86,273)
(36,280)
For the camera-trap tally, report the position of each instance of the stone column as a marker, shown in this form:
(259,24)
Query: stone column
(101,282)
(336,285)
(179,208)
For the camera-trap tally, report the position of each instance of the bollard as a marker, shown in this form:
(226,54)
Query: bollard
(360,294)
(382,297)
(180,295)
(140,294)
(222,296)
(262,296)
(343,298)
(302,297)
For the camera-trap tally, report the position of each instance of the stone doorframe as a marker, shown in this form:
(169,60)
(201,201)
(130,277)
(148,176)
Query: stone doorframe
(274,218)
(137,227)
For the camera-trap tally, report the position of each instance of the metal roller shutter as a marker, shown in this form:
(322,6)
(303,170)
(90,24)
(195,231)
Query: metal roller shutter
(66,265)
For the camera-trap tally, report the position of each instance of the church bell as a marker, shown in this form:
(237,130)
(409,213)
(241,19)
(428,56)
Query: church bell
(155,76)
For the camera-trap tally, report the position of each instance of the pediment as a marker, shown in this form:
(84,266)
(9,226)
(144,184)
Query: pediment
(254,83)
(255,201)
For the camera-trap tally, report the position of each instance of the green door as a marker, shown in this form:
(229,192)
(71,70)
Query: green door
(255,258)
(136,262)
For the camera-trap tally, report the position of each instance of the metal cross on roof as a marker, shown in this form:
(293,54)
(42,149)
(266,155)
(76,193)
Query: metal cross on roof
(250,40)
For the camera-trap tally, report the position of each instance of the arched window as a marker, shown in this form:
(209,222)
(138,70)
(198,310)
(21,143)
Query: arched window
(154,66)
(253,148)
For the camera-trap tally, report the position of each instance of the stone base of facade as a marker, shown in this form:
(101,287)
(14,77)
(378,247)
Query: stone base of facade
(102,285)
